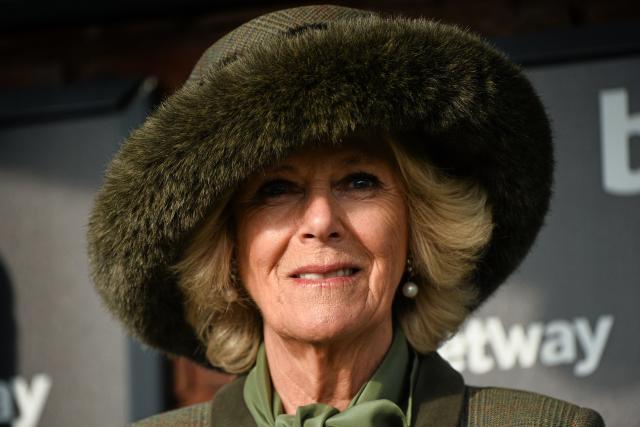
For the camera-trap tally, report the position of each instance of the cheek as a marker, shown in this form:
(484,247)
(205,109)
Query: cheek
(382,228)
(260,241)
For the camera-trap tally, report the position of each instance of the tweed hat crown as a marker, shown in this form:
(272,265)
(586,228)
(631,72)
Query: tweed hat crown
(313,74)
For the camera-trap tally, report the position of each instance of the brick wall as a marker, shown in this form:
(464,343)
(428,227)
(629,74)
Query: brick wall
(167,48)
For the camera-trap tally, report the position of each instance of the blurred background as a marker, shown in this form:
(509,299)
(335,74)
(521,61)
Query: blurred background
(76,78)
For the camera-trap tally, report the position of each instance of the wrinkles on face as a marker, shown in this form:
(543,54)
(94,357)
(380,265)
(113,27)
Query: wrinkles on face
(318,214)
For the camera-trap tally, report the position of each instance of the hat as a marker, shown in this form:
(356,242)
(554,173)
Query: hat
(313,74)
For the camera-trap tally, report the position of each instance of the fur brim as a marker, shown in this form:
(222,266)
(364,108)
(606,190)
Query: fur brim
(479,114)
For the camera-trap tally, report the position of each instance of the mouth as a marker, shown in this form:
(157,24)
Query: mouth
(324,272)
(345,272)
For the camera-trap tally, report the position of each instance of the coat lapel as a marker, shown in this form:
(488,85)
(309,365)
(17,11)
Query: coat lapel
(228,407)
(439,393)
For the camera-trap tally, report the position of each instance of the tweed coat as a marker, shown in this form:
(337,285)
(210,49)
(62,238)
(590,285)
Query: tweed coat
(441,399)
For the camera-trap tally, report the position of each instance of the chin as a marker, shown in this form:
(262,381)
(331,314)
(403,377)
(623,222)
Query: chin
(318,327)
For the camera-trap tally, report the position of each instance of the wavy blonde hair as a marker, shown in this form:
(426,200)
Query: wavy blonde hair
(450,223)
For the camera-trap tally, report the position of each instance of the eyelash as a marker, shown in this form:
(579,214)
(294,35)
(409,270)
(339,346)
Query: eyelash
(280,187)
(373,180)
(270,188)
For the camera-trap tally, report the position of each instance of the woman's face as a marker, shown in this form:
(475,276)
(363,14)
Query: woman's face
(322,242)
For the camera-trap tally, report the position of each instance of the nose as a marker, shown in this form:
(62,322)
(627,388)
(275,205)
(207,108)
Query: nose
(321,219)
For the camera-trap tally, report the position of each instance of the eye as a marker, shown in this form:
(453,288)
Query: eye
(361,181)
(276,188)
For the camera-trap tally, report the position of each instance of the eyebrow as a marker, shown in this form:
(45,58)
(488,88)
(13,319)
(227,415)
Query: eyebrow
(356,159)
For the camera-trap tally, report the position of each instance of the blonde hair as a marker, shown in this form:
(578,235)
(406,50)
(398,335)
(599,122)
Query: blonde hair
(450,223)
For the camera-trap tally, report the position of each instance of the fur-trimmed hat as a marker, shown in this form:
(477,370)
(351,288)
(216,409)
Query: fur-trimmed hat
(313,74)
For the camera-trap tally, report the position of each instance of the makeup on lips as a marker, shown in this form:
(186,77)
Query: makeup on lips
(326,274)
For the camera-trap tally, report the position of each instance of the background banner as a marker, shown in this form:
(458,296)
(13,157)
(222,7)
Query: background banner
(567,323)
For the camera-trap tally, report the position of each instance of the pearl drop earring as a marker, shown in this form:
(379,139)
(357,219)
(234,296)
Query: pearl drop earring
(409,289)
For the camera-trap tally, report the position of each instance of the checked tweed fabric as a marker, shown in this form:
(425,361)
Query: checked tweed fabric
(258,30)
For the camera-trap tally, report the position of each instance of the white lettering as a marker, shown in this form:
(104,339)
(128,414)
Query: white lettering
(6,404)
(519,345)
(617,126)
(30,401)
(559,345)
(454,351)
(592,344)
(553,344)
(478,361)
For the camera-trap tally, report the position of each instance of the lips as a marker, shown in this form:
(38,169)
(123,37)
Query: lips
(338,273)
(324,272)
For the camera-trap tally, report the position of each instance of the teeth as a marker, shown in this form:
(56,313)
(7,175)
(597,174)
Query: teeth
(337,273)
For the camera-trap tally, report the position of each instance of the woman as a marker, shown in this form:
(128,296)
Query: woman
(317,209)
